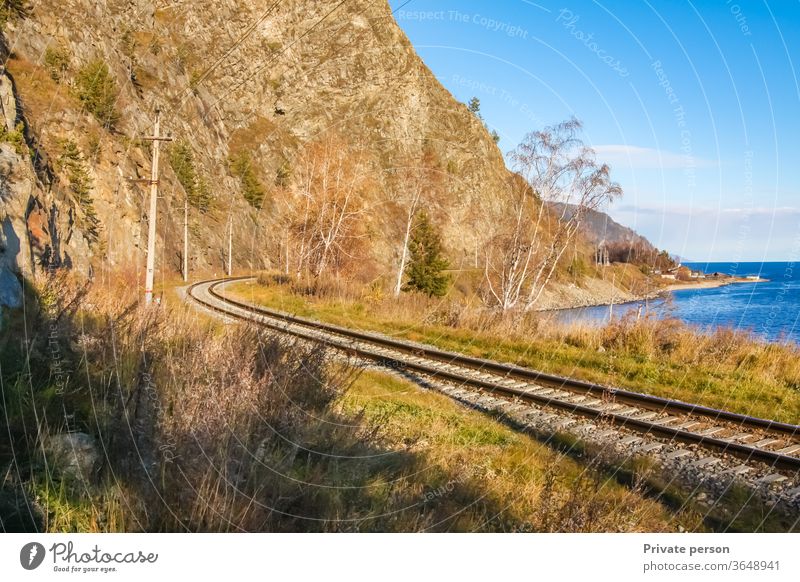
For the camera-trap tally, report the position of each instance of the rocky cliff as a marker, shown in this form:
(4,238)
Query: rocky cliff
(247,80)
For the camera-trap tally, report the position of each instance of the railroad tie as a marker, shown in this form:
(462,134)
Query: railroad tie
(686,425)
(646,416)
(628,411)
(711,431)
(706,462)
(738,470)
(630,440)
(764,442)
(772,479)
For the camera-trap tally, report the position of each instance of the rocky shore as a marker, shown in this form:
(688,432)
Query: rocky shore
(597,292)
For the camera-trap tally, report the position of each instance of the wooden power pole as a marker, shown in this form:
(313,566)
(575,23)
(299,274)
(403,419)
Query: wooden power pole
(186,240)
(151,232)
(230,246)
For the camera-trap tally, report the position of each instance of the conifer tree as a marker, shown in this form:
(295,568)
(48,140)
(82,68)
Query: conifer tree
(427,263)
(195,185)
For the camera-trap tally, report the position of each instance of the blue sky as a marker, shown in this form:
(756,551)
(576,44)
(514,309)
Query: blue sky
(695,105)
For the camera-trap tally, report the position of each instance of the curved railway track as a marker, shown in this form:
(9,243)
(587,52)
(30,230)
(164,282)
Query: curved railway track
(774,443)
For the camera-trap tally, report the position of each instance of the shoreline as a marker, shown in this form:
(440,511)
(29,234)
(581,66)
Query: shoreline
(659,293)
(710,284)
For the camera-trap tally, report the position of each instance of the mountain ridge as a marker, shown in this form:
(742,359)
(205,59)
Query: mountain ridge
(301,70)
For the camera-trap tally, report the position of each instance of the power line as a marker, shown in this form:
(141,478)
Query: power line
(318,65)
(403,4)
(245,35)
(262,67)
(272,60)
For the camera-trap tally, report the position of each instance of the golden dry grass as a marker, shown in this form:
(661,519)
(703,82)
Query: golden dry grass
(204,427)
(724,369)
(208,427)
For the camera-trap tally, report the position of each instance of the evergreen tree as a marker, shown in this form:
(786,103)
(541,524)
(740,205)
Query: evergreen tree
(252,188)
(474,106)
(79,185)
(196,187)
(426,263)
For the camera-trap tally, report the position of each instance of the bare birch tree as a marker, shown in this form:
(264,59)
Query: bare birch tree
(326,205)
(416,189)
(554,166)
(510,255)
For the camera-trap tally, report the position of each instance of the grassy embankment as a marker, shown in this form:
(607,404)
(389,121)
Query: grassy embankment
(204,427)
(723,369)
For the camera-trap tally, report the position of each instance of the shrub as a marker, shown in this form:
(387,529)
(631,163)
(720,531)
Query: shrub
(12,10)
(127,44)
(16,137)
(56,60)
(577,268)
(283,174)
(97,90)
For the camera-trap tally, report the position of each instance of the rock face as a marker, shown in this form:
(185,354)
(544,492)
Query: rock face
(10,289)
(73,455)
(231,76)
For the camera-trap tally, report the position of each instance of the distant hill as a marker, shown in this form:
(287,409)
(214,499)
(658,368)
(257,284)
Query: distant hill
(599,226)
(624,244)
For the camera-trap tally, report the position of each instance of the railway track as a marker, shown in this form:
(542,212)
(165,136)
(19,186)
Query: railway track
(765,441)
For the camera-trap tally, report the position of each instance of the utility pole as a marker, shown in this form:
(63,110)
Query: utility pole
(151,232)
(230,246)
(611,305)
(186,240)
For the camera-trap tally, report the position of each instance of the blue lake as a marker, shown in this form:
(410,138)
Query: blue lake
(770,309)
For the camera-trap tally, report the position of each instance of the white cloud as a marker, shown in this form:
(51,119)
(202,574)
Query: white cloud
(717,234)
(699,211)
(639,157)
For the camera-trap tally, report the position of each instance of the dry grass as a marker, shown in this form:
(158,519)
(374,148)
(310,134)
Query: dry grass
(209,428)
(724,369)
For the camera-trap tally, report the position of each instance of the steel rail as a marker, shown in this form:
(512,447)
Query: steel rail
(747,452)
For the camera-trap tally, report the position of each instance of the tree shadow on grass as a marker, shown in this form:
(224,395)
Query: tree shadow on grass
(196,429)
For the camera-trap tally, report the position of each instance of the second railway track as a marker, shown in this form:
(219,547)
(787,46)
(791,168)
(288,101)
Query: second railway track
(775,444)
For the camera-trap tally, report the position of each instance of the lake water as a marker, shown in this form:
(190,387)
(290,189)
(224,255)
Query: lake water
(770,310)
